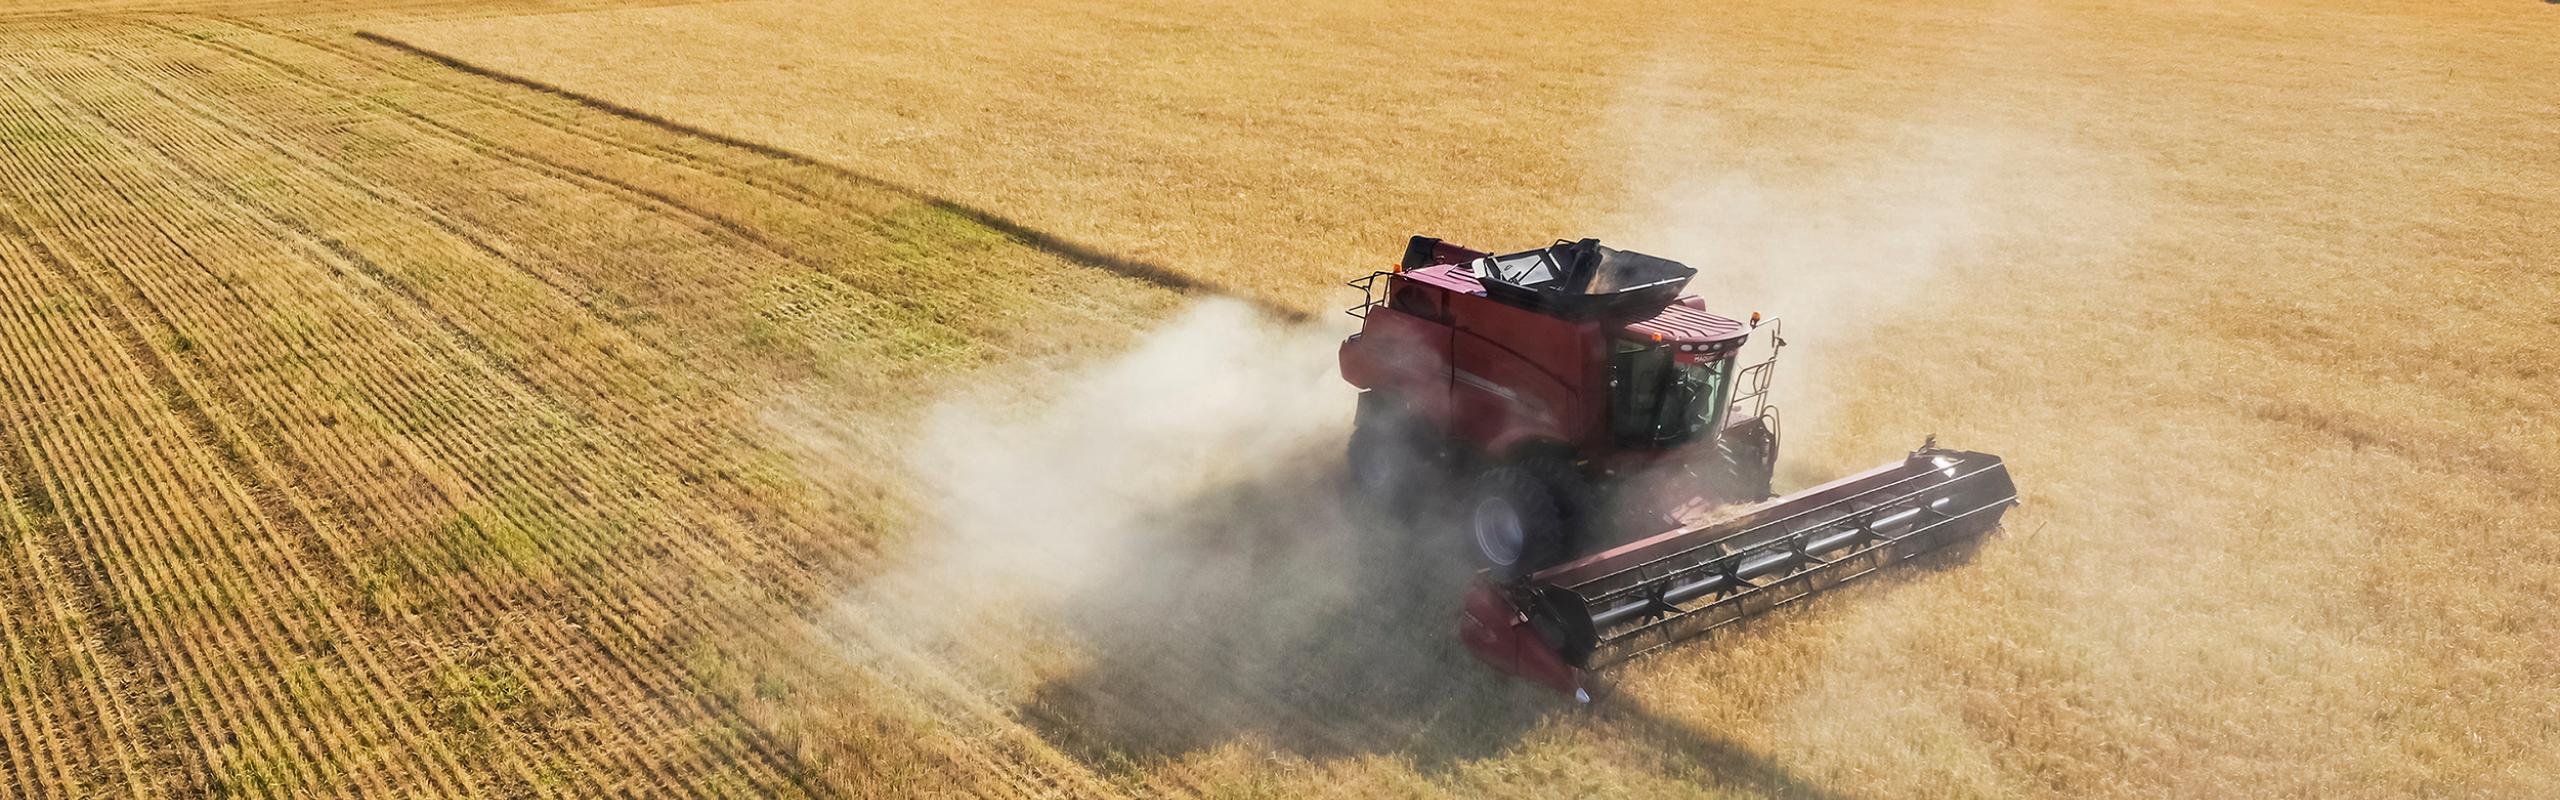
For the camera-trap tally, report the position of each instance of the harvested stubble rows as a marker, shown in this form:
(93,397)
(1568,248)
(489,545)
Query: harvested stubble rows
(379,430)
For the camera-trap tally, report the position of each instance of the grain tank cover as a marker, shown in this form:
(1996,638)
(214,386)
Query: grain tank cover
(1583,280)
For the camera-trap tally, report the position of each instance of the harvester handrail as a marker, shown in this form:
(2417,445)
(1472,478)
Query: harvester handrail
(1701,565)
(1758,376)
(1368,294)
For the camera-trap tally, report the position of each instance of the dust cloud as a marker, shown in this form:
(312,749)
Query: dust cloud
(1829,255)
(1054,501)
(1168,529)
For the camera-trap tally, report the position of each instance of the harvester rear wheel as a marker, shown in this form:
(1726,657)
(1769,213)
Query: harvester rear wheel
(1388,455)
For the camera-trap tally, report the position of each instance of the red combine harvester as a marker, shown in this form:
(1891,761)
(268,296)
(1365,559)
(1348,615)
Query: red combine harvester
(1582,398)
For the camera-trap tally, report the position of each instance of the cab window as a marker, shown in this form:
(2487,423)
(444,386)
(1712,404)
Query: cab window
(1658,400)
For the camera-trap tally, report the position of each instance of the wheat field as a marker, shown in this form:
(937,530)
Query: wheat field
(783,398)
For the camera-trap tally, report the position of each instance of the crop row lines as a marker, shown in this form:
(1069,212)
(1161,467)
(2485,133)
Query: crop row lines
(704,220)
(990,714)
(214,314)
(568,380)
(864,300)
(699,299)
(84,441)
(956,699)
(142,393)
(426,421)
(188,147)
(307,301)
(619,381)
(195,148)
(535,113)
(107,644)
(289,303)
(64,735)
(186,398)
(31,746)
(806,200)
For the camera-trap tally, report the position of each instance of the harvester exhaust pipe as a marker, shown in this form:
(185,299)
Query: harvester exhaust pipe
(1554,627)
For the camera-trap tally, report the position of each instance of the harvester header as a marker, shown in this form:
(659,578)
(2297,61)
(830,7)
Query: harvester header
(1557,624)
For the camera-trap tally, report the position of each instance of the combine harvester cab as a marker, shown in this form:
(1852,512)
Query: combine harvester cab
(1549,379)
(1556,626)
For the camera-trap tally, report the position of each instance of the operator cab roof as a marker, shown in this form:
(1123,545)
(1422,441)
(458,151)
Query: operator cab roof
(1681,323)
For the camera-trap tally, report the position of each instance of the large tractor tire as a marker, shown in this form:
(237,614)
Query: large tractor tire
(1390,458)
(1521,516)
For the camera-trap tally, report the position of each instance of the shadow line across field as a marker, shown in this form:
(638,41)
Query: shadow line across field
(1078,252)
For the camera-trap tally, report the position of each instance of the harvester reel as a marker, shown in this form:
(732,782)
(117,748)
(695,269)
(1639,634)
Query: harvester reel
(1645,595)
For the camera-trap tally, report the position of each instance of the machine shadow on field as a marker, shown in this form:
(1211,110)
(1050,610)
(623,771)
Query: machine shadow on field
(1272,610)
(1279,612)
(1733,763)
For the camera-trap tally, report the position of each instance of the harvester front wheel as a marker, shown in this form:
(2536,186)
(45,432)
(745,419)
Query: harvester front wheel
(1518,515)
